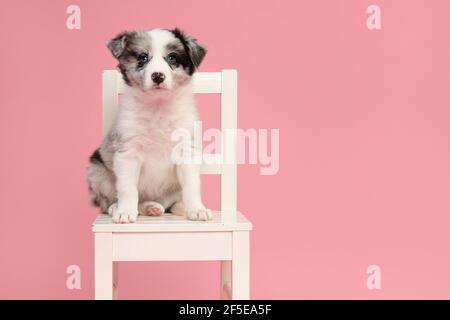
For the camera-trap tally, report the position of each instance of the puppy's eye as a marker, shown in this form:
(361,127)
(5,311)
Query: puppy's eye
(142,59)
(172,59)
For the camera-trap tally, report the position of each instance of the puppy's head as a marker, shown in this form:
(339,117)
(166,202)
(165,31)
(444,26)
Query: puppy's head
(158,60)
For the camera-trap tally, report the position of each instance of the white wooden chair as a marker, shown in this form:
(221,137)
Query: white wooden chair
(174,238)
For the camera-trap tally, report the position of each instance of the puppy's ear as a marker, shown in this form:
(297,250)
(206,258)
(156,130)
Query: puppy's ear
(117,45)
(195,50)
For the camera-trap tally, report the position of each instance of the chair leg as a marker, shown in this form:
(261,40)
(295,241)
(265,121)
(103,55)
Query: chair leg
(240,266)
(115,280)
(225,282)
(103,266)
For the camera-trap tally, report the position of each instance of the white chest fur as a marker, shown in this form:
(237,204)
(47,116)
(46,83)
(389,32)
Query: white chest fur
(146,130)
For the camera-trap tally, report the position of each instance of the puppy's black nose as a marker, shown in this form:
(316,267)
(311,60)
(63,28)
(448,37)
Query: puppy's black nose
(158,77)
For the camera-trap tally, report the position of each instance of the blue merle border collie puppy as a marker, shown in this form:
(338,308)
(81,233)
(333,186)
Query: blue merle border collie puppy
(133,172)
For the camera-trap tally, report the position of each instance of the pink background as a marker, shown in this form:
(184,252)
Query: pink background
(364,153)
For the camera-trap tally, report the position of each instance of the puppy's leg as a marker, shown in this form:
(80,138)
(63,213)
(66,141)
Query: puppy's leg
(189,178)
(151,208)
(126,169)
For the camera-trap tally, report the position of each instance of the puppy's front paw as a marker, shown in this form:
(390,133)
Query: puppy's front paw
(199,213)
(124,216)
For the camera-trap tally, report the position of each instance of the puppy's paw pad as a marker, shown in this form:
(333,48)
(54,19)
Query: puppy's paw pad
(152,208)
(201,214)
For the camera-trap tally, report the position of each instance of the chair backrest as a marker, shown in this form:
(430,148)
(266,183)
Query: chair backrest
(223,83)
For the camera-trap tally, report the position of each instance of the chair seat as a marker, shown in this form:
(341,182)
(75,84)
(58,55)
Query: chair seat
(172,223)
